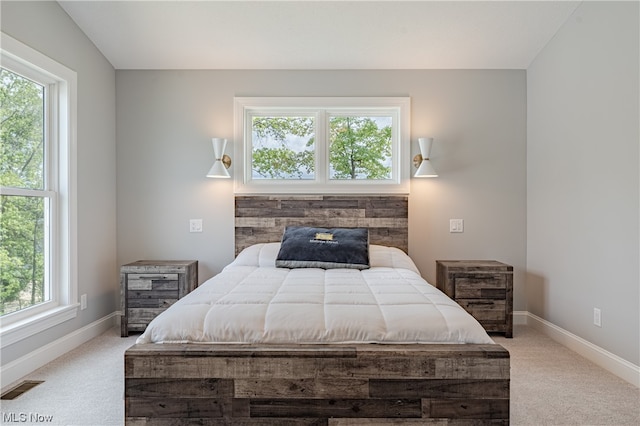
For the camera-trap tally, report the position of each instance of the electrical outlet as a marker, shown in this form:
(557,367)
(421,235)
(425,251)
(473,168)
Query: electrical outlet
(195,225)
(83,302)
(597,317)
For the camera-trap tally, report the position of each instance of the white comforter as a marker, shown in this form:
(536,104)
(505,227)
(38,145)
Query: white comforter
(252,301)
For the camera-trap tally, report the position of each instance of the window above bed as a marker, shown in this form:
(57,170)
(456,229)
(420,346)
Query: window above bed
(321,145)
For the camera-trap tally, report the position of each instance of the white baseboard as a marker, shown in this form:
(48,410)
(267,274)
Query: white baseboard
(601,357)
(19,368)
(520,317)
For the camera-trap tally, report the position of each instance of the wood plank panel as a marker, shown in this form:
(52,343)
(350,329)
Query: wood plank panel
(482,293)
(144,421)
(466,408)
(178,407)
(143,315)
(152,294)
(283,368)
(152,302)
(413,422)
(262,219)
(438,388)
(471,368)
(394,408)
(302,388)
(485,310)
(189,388)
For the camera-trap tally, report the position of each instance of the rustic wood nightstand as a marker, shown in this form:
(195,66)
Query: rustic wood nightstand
(484,288)
(148,287)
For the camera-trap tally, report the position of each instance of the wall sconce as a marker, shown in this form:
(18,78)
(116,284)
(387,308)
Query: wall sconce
(421,161)
(223,161)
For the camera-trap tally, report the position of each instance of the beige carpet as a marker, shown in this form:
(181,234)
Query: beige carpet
(83,387)
(550,385)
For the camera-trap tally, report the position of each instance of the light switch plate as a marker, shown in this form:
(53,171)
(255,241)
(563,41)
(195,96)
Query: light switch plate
(456,225)
(195,225)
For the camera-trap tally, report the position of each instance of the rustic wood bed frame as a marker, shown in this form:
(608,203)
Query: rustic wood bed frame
(332,385)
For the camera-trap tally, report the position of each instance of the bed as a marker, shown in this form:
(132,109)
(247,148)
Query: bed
(299,352)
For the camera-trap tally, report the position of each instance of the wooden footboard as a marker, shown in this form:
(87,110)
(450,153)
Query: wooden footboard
(332,385)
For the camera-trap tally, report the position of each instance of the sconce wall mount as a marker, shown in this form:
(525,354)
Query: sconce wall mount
(422,162)
(222,161)
(226,161)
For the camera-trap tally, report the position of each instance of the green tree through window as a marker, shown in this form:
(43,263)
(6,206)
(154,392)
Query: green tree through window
(360,148)
(284,147)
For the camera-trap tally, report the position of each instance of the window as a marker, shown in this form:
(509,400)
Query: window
(24,250)
(321,145)
(38,286)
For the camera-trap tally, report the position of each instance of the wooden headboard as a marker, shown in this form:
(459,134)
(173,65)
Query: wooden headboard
(262,219)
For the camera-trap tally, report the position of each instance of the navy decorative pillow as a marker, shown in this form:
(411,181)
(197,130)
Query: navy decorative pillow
(306,247)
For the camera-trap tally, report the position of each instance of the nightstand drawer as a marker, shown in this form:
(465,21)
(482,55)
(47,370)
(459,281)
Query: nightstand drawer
(151,299)
(480,286)
(485,311)
(152,281)
(143,315)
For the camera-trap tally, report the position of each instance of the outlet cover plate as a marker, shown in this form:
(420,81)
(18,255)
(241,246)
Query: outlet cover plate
(597,317)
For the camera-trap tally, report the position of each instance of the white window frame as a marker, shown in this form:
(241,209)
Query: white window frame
(322,107)
(60,191)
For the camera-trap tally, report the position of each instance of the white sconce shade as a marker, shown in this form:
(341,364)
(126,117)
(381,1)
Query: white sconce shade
(222,162)
(421,161)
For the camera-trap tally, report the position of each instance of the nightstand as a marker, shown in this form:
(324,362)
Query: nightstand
(484,288)
(148,287)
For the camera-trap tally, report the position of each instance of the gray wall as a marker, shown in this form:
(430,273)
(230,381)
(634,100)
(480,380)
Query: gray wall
(478,118)
(583,179)
(45,27)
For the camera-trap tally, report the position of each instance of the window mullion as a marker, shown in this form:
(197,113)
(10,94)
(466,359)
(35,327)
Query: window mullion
(25,192)
(248,142)
(322,160)
(53,257)
(49,137)
(50,257)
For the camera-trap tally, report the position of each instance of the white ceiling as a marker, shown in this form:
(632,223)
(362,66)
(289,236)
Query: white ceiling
(320,34)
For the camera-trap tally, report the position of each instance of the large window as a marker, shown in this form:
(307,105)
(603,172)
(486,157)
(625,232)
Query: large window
(38,285)
(321,145)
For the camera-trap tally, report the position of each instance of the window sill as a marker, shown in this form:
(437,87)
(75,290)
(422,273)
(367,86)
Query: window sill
(28,327)
(363,187)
